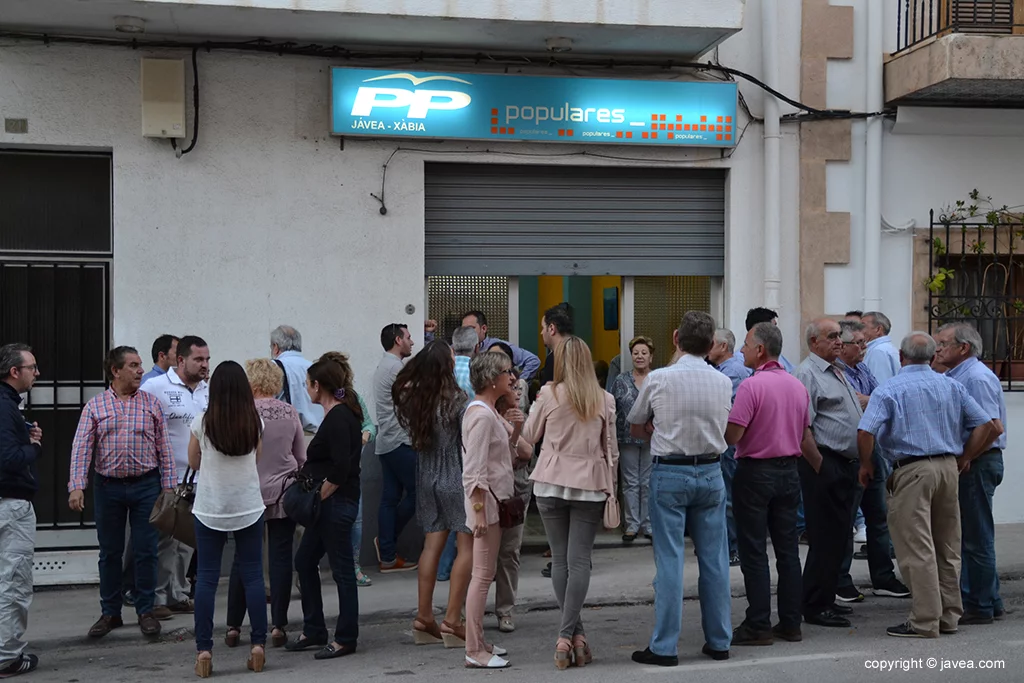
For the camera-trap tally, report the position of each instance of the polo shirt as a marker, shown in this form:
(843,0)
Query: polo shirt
(180,405)
(772,405)
(985,388)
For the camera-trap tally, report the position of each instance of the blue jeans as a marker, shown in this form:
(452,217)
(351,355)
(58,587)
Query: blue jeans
(447,561)
(357,532)
(728,474)
(118,501)
(331,535)
(249,556)
(979,580)
(681,493)
(398,469)
(873,502)
(280,536)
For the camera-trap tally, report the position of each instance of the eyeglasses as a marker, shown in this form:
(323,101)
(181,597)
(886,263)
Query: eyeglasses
(947,344)
(861,344)
(33,368)
(832,336)
(511,372)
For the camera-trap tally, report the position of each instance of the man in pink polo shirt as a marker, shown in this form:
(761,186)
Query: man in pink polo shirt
(769,424)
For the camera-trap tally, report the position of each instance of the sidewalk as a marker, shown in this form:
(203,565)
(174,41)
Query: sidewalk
(60,618)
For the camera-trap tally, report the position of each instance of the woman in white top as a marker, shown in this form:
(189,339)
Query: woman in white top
(225,445)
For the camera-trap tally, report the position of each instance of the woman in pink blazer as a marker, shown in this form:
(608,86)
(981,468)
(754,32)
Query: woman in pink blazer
(574,476)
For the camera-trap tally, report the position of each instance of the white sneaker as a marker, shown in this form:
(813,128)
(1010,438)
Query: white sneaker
(860,535)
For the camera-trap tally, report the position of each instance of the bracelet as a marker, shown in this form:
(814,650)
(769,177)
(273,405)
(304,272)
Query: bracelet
(477,507)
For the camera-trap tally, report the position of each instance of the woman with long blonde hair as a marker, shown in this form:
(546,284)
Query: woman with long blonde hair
(574,476)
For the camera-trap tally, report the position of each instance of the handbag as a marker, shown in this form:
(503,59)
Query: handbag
(302,499)
(172,513)
(612,514)
(511,512)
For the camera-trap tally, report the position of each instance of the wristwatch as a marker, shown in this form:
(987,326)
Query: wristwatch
(477,507)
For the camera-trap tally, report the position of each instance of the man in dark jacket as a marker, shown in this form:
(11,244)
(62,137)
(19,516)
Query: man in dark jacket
(19,450)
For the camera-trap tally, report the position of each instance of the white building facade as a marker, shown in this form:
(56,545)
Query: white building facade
(272,218)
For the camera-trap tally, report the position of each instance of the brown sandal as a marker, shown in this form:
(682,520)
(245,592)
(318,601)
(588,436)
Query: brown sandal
(280,639)
(257,659)
(204,665)
(424,633)
(563,654)
(232,637)
(453,636)
(581,651)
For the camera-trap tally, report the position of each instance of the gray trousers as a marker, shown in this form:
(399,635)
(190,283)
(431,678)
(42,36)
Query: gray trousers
(571,527)
(17,550)
(506,578)
(635,469)
(173,558)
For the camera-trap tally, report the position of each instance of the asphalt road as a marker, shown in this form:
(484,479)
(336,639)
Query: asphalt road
(387,655)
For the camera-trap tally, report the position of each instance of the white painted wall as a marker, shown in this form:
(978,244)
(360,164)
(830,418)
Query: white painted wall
(268,221)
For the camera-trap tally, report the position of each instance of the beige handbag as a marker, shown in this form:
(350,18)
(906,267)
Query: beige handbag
(612,515)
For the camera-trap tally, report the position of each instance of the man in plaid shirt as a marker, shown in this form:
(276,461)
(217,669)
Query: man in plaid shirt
(125,432)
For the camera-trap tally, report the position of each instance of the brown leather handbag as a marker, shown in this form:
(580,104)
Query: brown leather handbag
(511,512)
(172,513)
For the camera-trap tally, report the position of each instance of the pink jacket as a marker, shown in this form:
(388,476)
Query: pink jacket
(574,454)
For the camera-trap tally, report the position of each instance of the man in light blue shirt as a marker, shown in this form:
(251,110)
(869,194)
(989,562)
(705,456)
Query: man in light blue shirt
(882,358)
(464,344)
(165,356)
(959,349)
(722,355)
(918,418)
(286,349)
(766,315)
(527,362)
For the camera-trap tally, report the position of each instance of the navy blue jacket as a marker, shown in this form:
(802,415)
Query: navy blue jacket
(17,453)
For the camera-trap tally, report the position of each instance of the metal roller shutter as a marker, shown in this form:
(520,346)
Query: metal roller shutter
(566,220)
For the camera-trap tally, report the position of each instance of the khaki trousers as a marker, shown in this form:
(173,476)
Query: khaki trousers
(924,521)
(506,578)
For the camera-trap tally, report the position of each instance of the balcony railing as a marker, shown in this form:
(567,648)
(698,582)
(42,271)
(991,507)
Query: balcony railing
(920,20)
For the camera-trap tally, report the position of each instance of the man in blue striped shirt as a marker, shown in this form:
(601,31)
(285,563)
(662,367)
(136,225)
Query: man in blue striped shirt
(959,347)
(918,417)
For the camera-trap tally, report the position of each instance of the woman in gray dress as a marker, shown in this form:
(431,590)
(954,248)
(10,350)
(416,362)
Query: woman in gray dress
(429,405)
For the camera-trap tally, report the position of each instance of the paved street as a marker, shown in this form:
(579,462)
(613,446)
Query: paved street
(621,589)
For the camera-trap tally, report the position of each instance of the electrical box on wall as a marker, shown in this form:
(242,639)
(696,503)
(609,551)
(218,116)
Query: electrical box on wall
(163,98)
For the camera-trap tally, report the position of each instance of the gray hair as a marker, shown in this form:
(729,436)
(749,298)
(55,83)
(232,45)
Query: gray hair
(485,368)
(286,338)
(880,319)
(464,340)
(848,328)
(696,333)
(770,336)
(813,330)
(723,335)
(965,333)
(918,348)
(11,356)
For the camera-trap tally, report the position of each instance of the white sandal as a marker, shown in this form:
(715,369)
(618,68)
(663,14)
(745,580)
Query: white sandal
(495,662)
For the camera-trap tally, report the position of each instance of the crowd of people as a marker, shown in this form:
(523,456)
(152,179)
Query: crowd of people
(730,447)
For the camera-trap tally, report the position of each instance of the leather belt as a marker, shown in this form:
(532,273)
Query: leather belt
(779,461)
(129,480)
(687,459)
(903,462)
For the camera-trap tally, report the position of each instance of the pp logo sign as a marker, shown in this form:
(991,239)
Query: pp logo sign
(419,102)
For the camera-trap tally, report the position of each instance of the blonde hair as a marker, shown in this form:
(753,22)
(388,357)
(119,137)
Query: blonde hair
(574,372)
(646,341)
(265,377)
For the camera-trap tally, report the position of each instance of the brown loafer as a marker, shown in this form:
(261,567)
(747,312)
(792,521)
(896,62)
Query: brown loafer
(149,625)
(184,607)
(162,613)
(105,624)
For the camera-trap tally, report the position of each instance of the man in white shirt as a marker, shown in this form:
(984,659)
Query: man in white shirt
(684,410)
(882,357)
(183,393)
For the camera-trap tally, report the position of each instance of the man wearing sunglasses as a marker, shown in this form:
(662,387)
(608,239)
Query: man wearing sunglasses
(829,494)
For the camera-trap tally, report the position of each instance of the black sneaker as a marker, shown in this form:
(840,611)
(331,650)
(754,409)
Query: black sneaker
(904,630)
(546,572)
(861,554)
(734,560)
(746,635)
(849,594)
(803,539)
(828,618)
(648,657)
(23,665)
(792,635)
(892,589)
(999,612)
(128,597)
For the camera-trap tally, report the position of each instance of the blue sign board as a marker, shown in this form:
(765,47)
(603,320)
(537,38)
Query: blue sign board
(458,106)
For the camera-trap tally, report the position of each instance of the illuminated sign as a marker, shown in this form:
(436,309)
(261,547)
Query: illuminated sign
(457,106)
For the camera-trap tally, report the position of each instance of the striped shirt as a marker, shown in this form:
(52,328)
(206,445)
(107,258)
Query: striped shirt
(689,402)
(920,412)
(462,374)
(127,438)
(834,409)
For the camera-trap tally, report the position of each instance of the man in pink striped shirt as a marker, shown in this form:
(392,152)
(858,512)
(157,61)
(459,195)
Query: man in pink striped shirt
(125,431)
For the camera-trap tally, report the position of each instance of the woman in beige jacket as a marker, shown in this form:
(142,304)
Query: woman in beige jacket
(574,476)
(491,444)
